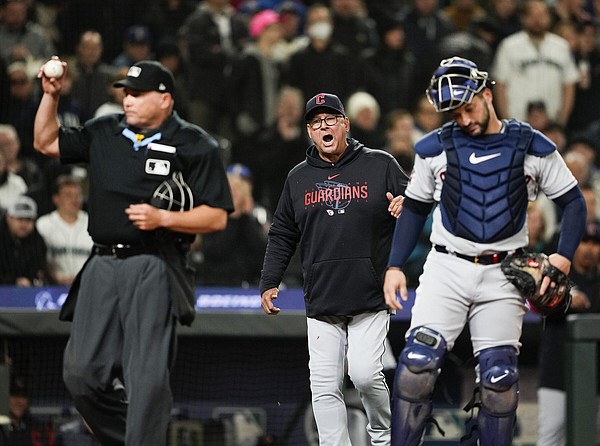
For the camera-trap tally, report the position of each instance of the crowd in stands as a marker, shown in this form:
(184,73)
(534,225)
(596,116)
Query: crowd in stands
(244,69)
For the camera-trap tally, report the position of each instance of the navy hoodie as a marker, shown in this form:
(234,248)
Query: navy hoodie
(338,214)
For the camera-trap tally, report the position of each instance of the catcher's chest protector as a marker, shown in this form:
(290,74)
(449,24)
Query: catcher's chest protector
(484,197)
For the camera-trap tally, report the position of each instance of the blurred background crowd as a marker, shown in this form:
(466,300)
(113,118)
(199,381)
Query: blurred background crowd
(244,70)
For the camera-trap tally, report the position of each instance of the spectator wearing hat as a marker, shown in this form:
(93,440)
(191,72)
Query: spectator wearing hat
(552,403)
(255,77)
(233,257)
(23,253)
(137,46)
(291,18)
(24,428)
(365,114)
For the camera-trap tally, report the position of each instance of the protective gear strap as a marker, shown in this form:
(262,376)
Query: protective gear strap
(499,384)
(418,368)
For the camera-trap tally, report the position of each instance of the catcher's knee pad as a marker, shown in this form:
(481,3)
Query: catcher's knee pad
(420,363)
(499,385)
(418,368)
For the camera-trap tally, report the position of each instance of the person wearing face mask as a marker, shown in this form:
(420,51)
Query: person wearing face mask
(334,209)
(337,68)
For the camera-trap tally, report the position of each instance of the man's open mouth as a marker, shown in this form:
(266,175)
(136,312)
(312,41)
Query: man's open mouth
(327,138)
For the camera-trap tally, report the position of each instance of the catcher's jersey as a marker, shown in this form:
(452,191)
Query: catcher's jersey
(548,174)
(125,171)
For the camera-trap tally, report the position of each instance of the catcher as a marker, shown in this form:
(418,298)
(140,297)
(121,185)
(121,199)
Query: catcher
(479,171)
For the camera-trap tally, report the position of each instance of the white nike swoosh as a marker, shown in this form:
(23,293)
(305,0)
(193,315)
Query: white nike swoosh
(412,355)
(495,379)
(473,159)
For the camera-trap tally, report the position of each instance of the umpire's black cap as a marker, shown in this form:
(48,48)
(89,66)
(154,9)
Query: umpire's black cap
(148,75)
(325,101)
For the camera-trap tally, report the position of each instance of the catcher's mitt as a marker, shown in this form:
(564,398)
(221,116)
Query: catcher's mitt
(526,270)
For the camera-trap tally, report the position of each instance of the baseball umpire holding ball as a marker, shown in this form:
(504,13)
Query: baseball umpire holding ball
(339,207)
(480,172)
(155,181)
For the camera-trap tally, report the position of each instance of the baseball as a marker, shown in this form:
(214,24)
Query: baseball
(53,68)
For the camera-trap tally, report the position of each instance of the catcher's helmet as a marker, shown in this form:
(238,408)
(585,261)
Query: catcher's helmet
(455,82)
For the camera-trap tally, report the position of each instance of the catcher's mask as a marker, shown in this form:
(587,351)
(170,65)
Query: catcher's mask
(173,194)
(455,82)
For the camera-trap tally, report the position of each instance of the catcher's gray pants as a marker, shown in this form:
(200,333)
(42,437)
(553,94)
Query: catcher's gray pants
(116,363)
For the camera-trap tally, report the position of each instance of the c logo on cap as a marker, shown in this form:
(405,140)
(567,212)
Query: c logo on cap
(320,99)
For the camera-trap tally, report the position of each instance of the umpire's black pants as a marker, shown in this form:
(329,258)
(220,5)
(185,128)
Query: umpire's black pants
(116,363)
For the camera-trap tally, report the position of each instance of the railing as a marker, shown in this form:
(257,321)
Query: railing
(583,334)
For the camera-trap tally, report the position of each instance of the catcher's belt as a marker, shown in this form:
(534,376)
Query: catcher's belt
(487,259)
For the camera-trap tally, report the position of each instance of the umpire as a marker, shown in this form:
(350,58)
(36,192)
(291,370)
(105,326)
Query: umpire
(135,284)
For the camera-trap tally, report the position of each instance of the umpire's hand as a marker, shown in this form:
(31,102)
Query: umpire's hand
(266,301)
(395,280)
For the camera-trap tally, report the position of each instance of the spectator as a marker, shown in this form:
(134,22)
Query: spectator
(425,27)
(92,73)
(352,26)
(505,15)
(426,118)
(255,77)
(22,103)
(587,93)
(19,165)
(116,95)
(338,70)
(233,257)
(284,141)
(537,116)
(164,18)
(23,253)
(12,186)
(214,35)
(24,429)
(571,11)
(21,38)
(65,231)
(536,228)
(463,13)
(399,141)
(169,54)
(391,69)
(535,65)
(364,112)
(291,16)
(475,43)
(137,46)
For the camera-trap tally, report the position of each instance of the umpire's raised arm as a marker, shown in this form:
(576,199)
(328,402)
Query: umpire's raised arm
(45,130)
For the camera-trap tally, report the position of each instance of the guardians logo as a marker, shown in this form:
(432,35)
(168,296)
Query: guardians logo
(334,195)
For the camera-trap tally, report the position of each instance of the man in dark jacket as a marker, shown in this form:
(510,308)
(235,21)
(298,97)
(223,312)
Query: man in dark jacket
(23,253)
(335,206)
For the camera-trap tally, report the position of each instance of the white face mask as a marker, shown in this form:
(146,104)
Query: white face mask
(320,30)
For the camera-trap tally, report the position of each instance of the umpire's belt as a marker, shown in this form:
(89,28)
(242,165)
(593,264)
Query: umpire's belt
(488,259)
(122,251)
